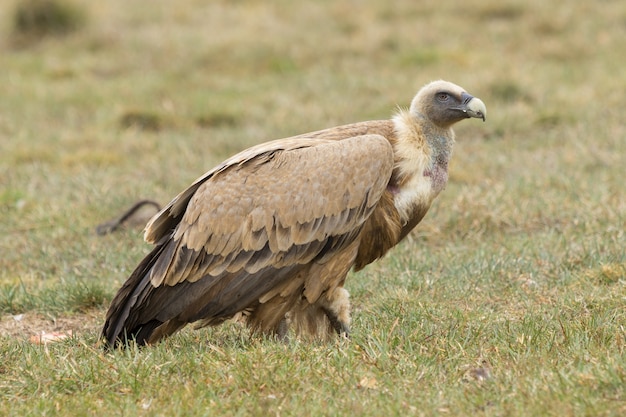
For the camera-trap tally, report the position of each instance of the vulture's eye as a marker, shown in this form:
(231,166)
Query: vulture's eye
(443,96)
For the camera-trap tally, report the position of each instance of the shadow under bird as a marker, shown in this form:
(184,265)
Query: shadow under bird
(271,233)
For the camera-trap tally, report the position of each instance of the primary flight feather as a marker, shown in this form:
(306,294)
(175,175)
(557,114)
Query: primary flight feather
(272,232)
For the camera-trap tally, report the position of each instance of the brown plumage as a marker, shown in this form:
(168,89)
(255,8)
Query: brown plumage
(273,231)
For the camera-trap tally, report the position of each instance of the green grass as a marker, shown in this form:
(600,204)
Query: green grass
(518,271)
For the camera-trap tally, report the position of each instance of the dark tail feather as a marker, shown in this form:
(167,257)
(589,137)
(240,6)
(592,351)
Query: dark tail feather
(145,314)
(120,326)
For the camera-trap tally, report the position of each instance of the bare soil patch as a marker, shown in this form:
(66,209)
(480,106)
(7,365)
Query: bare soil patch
(32,324)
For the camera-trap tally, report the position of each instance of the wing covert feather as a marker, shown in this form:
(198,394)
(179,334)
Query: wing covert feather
(277,208)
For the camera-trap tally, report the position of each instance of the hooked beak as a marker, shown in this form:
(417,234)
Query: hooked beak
(473,106)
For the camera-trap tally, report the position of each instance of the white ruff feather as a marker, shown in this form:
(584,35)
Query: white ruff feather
(414,160)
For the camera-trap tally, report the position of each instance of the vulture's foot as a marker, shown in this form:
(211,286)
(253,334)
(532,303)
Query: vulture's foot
(336,306)
(342,328)
(282,329)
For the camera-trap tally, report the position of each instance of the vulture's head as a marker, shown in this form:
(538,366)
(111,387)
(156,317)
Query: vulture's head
(444,104)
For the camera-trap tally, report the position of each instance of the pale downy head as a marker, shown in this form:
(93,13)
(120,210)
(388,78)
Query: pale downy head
(445,103)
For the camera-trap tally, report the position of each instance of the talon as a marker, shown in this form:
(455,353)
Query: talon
(342,329)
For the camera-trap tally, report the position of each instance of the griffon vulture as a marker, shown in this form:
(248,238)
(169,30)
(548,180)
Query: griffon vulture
(272,232)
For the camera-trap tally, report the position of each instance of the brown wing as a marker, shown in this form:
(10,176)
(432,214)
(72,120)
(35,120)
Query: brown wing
(163,222)
(277,208)
(245,226)
(160,226)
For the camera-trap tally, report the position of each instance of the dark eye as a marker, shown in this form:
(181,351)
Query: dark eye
(443,96)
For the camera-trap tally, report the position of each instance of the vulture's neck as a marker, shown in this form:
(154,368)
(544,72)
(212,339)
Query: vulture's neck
(422,152)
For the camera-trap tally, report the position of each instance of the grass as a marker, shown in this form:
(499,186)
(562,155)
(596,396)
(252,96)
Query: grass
(509,299)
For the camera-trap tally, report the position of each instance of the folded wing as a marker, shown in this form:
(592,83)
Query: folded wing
(251,224)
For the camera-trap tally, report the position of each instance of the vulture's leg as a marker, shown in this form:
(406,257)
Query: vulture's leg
(336,306)
(342,328)
(282,329)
